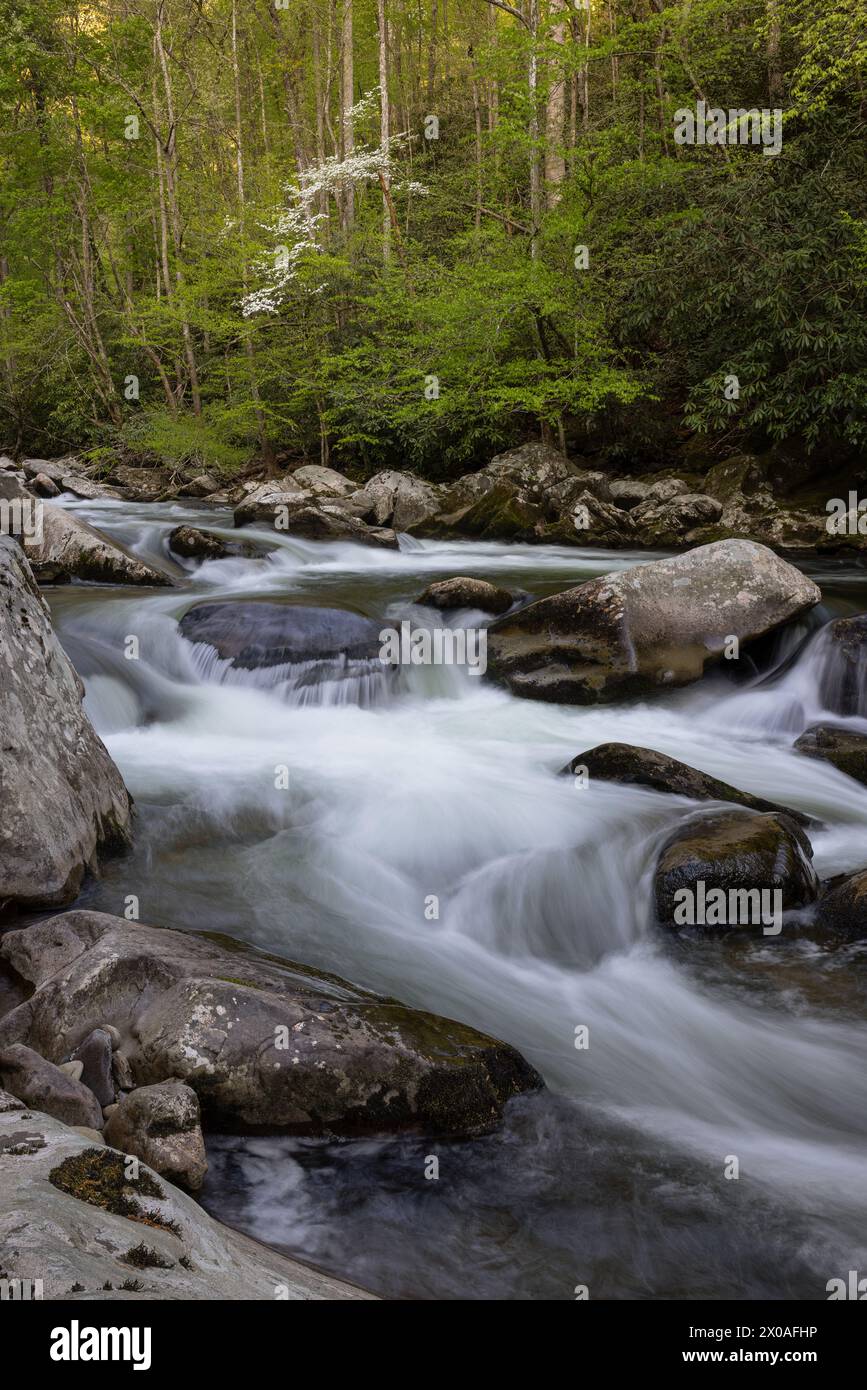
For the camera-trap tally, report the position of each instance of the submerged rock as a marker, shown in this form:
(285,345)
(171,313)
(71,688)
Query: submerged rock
(267,1045)
(740,851)
(644,767)
(63,801)
(257,634)
(43,1086)
(160,1125)
(653,626)
(842,648)
(843,748)
(464,592)
(74,1217)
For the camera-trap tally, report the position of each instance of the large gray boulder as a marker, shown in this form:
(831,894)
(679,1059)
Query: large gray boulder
(161,1126)
(530,493)
(647,628)
(76,1218)
(62,800)
(43,1086)
(267,1045)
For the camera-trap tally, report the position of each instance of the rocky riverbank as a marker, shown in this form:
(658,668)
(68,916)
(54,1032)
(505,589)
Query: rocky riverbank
(531,494)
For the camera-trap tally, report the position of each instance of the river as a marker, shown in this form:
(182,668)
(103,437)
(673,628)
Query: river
(614,1178)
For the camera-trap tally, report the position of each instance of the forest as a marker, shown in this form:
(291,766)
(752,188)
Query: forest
(409,233)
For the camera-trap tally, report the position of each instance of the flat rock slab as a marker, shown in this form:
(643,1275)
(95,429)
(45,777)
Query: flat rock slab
(256,634)
(267,1045)
(72,1218)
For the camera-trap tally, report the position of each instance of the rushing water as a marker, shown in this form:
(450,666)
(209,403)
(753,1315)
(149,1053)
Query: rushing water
(442,784)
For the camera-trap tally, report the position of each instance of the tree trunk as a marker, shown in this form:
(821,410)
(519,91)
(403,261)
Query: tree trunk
(384,125)
(555,163)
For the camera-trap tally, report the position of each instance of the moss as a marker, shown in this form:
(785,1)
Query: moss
(98,1177)
(132,1286)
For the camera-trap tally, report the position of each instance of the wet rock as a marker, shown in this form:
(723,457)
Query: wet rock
(160,1125)
(464,592)
(72,1216)
(256,633)
(267,1045)
(650,627)
(64,803)
(644,767)
(735,850)
(43,1086)
(193,544)
(842,648)
(843,748)
(842,908)
(94,1053)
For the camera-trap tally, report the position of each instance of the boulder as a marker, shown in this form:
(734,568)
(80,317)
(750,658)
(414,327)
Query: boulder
(63,801)
(43,1086)
(399,500)
(667,523)
(628,492)
(94,1054)
(842,908)
(647,628)
(843,748)
(193,544)
(43,486)
(256,633)
(200,485)
(73,1217)
(160,1125)
(735,850)
(316,480)
(644,767)
(71,547)
(267,1045)
(464,592)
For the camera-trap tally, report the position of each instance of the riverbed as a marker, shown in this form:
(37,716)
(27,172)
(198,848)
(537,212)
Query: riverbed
(441,786)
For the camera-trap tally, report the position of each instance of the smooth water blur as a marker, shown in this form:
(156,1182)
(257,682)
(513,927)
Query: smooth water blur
(436,783)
